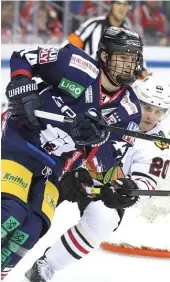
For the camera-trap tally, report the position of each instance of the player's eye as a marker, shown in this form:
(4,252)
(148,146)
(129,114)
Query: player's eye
(160,112)
(123,58)
(147,108)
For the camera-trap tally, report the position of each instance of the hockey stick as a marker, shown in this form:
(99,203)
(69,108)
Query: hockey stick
(160,193)
(112,129)
(134,192)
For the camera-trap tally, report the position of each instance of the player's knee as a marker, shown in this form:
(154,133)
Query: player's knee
(99,221)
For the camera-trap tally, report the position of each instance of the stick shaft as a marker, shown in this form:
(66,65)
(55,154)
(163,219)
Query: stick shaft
(134,192)
(112,129)
(136,134)
(51,116)
(157,193)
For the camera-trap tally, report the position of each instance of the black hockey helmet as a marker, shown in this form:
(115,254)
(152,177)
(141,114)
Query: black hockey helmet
(120,41)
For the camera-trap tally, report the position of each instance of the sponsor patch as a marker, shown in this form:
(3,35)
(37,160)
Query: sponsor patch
(47,55)
(10,224)
(131,126)
(16,179)
(107,111)
(89,95)
(71,87)
(111,119)
(51,195)
(84,65)
(129,106)
(70,162)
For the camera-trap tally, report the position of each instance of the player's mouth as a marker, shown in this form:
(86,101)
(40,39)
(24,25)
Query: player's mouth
(147,122)
(126,72)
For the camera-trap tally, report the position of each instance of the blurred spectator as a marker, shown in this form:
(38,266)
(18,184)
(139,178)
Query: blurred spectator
(54,24)
(42,34)
(7,15)
(167,10)
(88,34)
(89,9)
(149,22)
(49,28)
(44,27)
(6,21)
(166,40)
(8,29)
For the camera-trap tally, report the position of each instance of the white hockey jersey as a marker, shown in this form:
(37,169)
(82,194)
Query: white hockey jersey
(148,162)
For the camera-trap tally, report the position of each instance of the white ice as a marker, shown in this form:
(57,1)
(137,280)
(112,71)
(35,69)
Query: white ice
(99,266)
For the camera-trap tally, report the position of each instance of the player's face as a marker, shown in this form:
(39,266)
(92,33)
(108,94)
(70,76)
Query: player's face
(151,115)
(122,64)
(120,10)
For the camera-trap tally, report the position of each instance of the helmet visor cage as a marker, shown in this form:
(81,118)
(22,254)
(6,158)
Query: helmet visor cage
(123,67)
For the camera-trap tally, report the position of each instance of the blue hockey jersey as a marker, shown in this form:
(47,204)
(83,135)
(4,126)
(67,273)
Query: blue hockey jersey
(71,86)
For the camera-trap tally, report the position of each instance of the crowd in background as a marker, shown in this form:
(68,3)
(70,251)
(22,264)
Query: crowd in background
(47,21)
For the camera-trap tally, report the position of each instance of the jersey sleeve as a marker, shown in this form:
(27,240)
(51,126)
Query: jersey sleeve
(42,62)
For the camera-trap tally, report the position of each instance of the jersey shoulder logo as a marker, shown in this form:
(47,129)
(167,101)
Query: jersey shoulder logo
(48,55)
(161,145)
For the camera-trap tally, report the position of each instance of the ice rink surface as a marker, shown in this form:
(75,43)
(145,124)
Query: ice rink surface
(99,266)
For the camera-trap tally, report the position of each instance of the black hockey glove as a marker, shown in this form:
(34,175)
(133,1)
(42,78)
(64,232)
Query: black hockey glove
(86,129)
(73,184)
(23,99)
(113,197)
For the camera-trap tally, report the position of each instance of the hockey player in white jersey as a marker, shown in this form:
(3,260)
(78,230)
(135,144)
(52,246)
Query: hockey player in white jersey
(150,160)
(155,104)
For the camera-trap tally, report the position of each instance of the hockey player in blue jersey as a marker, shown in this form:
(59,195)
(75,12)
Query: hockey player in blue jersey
(36,152)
